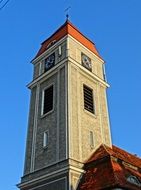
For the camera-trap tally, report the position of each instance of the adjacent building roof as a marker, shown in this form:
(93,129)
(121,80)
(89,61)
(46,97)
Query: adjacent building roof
(110,168)
(65,29)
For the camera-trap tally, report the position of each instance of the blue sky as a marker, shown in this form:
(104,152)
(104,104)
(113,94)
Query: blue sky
(114,26)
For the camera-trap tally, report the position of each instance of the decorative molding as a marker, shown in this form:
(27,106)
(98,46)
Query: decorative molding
(47,74)
(66,110)
(58,112)
(100,116)
(35,129)
(54,174)
(69,112)
(87,72)
(78,115)
(108,119)
(67,84)
(53,181)
(38,180)
(77,170)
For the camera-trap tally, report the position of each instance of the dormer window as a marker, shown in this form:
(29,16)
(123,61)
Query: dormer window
(134,180)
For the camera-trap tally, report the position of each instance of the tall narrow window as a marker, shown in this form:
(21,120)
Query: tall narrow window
(48,99)
(59,51)
(91,139)
(88,99)
(45,139)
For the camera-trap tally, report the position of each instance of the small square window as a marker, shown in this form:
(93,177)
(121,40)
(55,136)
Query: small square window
(47,100)
(88,99)
(45,139)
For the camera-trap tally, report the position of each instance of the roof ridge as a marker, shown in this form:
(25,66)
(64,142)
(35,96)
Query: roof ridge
(134,155)
(130,157)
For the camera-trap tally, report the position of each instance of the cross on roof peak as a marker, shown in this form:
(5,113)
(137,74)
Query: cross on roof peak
(67,12)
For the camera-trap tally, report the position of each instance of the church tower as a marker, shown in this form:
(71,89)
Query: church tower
(68,117)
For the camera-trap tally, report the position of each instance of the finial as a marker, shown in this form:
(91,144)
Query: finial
(67,13)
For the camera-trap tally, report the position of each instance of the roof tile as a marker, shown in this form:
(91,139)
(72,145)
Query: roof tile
(65,29)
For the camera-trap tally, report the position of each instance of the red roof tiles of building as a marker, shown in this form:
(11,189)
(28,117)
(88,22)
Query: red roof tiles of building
(65,29)
(110,168)
(104,150)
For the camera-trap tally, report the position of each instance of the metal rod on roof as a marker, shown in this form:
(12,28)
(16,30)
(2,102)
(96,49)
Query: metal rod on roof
(67,12)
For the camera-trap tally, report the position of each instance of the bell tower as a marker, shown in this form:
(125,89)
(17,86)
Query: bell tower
(68,117)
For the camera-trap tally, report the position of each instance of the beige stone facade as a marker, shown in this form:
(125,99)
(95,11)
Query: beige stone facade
(82,121)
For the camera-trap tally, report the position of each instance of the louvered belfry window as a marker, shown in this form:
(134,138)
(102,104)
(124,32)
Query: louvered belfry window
(48,100)
(88,99)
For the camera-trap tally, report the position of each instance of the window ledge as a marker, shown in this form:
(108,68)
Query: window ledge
(44,115)
(91,114)
(45,147)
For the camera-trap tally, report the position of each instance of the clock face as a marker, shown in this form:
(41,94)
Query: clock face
(50,62)
(86,62)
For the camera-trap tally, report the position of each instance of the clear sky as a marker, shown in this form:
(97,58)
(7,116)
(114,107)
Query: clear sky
(114,26)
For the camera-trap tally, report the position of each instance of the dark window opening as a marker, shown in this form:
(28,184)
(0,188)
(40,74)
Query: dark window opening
(48,100)
(88,99)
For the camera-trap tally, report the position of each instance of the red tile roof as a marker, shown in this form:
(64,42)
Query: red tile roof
(65,29)
(110,168)
(104,150)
